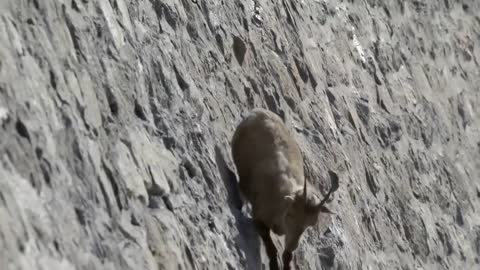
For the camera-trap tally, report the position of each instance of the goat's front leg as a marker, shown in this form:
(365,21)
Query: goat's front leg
(287,258)
(264,233)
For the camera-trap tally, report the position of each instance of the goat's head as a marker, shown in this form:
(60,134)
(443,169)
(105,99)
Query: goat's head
(303,210)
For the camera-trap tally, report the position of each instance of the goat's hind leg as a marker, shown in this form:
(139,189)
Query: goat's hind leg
(264,233)
(287,258)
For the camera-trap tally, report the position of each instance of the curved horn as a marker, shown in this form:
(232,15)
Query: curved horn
(307,169)
(305,189)
(333,188)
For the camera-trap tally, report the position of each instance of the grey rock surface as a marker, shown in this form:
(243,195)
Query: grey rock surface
(116,117)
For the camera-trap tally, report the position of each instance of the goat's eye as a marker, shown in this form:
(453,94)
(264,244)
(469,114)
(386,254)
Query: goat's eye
(289,214)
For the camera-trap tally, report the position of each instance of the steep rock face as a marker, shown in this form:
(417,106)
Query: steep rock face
(116,118)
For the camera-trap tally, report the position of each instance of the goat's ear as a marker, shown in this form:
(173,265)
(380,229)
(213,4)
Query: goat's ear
(289,198)
(325,209)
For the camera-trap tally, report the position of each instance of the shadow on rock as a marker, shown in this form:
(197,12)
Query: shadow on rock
(247,240)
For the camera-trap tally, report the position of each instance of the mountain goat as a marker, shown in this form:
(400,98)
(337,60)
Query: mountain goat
(271,177)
